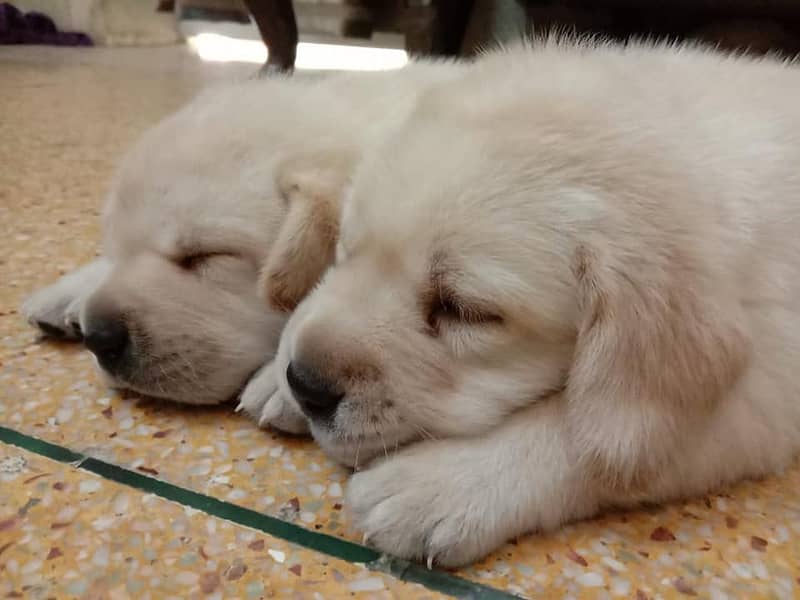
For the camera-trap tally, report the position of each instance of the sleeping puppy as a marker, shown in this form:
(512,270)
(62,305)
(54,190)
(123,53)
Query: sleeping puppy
(573,282)
(241,184)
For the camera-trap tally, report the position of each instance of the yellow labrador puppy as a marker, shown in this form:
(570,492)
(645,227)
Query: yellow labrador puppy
(573,279)
(243,181)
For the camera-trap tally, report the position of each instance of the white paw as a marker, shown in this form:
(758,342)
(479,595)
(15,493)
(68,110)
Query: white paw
(281,413)
(54,310)
(423,505)
(258,390)
(264,402)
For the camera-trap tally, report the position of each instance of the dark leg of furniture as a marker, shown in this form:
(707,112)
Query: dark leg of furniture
(278,28)
(450,25)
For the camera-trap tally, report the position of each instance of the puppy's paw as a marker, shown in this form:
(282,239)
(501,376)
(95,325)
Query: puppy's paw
(258,390)
(54,310)
(427,505)
(281,413)
(265,403)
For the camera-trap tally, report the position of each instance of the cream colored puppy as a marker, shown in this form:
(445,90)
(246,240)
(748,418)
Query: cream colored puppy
(574,281)
(243,181)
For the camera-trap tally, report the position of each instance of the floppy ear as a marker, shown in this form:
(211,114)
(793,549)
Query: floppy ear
(658,346)
(312,185)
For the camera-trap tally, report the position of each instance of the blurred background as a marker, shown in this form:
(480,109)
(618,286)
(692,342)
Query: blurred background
(279,35)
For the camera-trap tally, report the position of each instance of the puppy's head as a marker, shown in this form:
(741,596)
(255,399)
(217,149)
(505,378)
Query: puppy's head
(476,277)
(206,201)
(428,324)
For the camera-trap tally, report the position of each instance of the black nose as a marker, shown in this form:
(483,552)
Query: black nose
(107,339)
(317,397)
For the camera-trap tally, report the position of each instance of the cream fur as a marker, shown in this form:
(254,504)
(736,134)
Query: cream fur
(572,281)
(235,177)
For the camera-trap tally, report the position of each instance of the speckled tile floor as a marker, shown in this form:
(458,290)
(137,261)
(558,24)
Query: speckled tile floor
(65,118)
(67,533)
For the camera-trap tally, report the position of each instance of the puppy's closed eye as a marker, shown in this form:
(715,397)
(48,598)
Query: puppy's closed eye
(447,308)
(192,261)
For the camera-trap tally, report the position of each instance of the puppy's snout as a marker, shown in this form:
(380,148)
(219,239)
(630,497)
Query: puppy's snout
(317,396)
(107,339)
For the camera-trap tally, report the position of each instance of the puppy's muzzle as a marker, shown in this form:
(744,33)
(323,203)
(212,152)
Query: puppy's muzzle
(108,340)
(317,396)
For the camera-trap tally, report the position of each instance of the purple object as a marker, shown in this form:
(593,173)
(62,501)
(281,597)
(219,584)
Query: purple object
(35,28)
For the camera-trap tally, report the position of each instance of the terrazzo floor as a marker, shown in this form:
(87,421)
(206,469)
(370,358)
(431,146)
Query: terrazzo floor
(68,533)
(72,527)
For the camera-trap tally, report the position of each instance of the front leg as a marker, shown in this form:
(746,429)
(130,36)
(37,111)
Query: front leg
(453,501)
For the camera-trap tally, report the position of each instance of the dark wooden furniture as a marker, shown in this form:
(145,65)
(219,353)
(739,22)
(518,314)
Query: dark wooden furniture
(431,28)
(438,27)
(278,28)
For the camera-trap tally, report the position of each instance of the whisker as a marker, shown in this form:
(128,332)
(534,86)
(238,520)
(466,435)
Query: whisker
(425,433)
(383,442)
(358,449)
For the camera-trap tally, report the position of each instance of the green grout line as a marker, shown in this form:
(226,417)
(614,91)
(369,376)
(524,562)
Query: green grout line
(326,544)
(439,581)
(37,446)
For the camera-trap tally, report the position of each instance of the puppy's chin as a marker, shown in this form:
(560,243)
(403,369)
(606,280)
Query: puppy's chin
(352,453)
(120,385)
(107,378)
(356,451)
